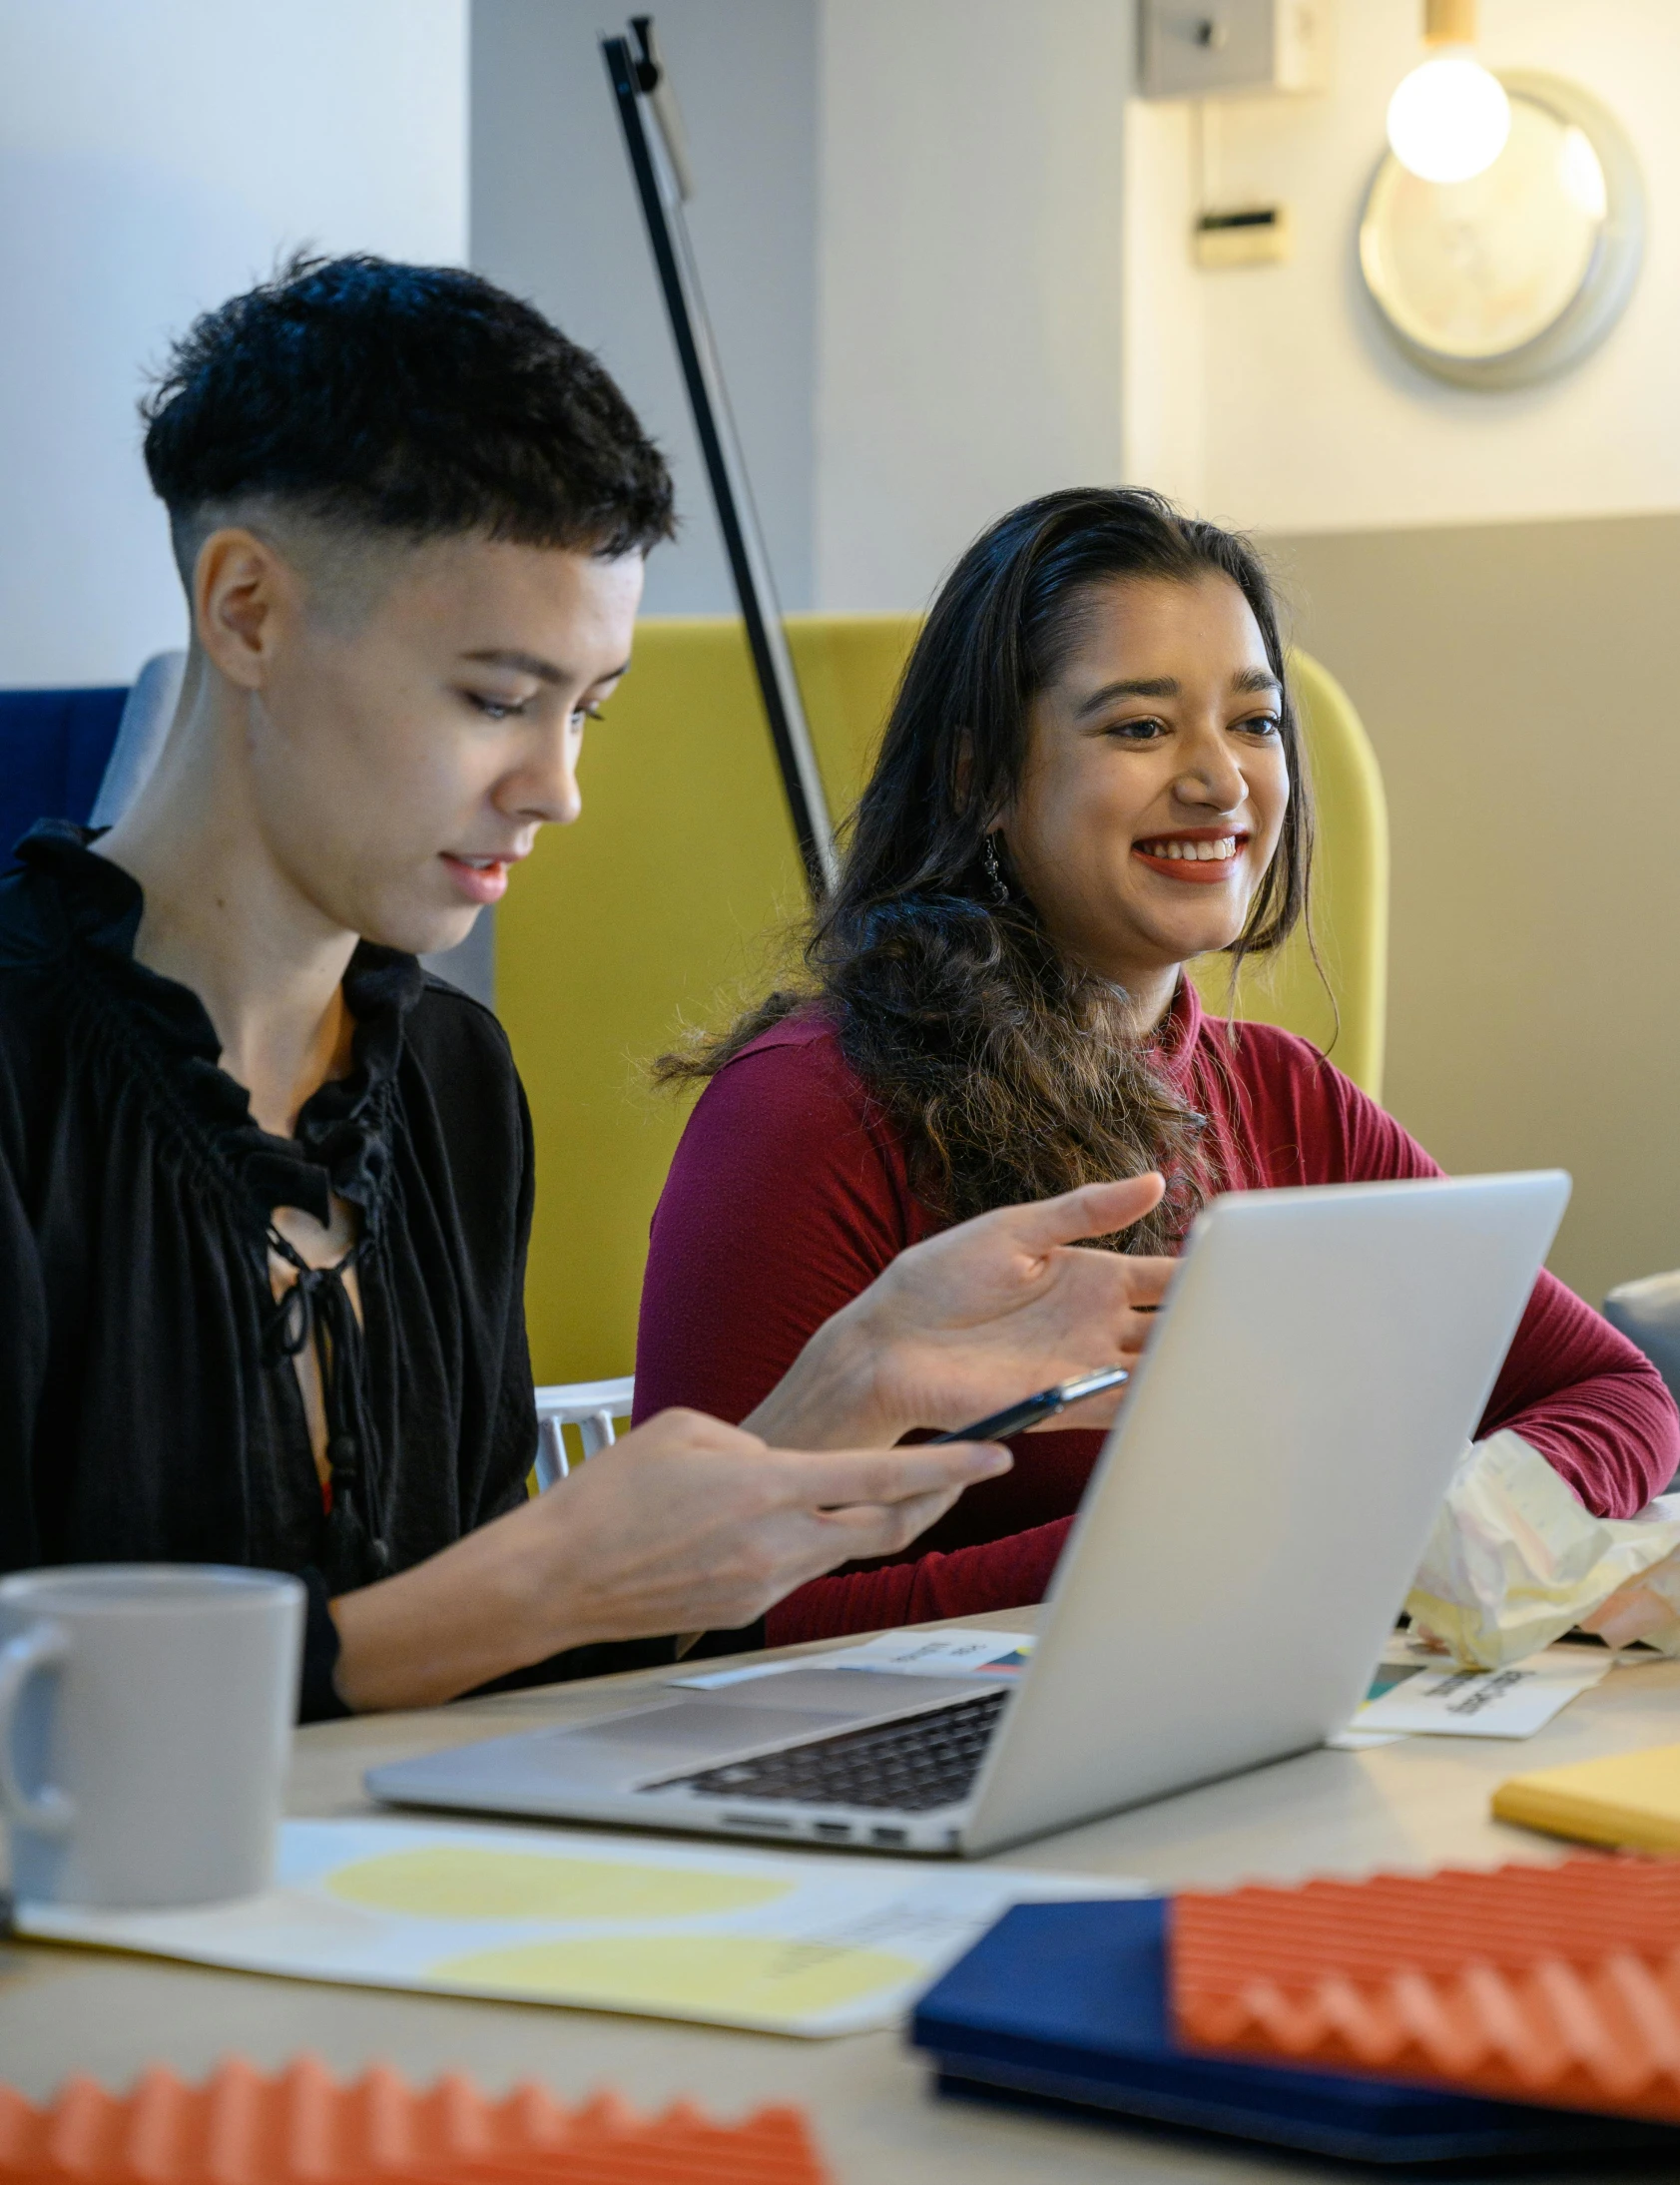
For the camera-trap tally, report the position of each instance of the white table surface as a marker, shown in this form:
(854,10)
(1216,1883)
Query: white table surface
(1411,1806)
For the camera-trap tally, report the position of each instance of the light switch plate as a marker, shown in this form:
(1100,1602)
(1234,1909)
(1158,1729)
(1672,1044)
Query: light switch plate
(1209,49)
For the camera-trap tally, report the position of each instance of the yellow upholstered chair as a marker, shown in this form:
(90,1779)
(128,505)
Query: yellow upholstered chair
(679,897)
(1341,1002)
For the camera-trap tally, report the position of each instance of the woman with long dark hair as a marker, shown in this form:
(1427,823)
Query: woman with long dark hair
(1092,774)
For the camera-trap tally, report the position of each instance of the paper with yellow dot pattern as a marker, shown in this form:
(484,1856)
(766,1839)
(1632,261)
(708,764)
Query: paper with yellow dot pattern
(783,1943)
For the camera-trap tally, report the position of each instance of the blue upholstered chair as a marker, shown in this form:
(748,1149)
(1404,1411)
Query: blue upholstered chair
(54,749)
(80,755)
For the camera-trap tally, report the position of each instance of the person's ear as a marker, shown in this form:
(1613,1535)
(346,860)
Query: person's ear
(962,775)
(244,594)
(963,765)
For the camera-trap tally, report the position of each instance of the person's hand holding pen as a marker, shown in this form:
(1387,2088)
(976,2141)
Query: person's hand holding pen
(977,1319)
(689,1524)
(1037,1412)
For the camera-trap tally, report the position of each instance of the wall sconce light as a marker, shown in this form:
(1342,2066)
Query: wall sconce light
(1511,270)
(1450,119)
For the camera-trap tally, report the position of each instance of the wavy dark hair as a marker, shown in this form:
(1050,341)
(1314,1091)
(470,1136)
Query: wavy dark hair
(1010,1072)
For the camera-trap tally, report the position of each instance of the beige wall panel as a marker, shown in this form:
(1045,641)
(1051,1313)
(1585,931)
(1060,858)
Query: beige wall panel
(1521,685)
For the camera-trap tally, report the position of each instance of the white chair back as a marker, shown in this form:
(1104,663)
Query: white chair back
(589,1406)
(146,722)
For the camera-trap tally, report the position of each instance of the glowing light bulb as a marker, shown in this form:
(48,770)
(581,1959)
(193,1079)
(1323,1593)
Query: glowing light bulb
(1448,119)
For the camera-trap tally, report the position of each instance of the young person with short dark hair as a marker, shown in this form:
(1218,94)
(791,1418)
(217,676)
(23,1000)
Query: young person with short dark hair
(1092,774)
(266,1186)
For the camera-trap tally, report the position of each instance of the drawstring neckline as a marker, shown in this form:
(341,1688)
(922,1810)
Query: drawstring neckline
(316,1308)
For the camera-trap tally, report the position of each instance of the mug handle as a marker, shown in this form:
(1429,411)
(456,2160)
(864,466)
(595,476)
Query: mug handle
(42,1646)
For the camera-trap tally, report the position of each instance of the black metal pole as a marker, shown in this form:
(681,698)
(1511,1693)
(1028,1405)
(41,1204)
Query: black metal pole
(660,187)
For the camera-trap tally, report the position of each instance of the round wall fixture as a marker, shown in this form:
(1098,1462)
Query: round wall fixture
(1515,274)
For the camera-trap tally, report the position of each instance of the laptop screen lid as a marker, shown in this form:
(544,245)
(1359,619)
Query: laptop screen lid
(1266,1490)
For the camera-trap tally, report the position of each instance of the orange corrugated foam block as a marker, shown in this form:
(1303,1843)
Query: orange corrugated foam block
(301,2128)
(1552,1984)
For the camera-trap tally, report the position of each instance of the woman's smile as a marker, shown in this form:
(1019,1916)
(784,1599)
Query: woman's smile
(1156,782)
(1202,856)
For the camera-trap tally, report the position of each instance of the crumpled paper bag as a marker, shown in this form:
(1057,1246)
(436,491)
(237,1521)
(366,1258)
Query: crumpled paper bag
(1647,1608)
(1515,1560)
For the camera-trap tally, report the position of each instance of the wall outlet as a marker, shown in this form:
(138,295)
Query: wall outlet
(1211,49)
(1260,234)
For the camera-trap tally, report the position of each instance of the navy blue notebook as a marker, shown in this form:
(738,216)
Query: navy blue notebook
(1068,2004)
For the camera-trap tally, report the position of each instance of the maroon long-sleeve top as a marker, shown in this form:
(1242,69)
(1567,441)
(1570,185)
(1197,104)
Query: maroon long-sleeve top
(790,1194)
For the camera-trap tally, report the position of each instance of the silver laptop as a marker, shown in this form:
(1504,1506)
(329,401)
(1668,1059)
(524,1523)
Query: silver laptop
(1238,1562)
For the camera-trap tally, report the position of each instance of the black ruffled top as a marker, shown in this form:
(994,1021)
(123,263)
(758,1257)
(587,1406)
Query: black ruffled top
(149,1408)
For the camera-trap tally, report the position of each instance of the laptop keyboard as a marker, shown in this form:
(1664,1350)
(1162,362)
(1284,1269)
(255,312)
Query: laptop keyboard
(910,1766)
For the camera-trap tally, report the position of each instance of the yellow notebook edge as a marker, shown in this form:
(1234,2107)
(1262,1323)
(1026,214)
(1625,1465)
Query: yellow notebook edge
(1532,1803)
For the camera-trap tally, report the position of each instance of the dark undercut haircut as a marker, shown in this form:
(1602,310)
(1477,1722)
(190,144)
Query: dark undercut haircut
(414,401)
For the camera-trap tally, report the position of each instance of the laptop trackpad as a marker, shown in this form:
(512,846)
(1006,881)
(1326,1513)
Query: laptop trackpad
(690,1727)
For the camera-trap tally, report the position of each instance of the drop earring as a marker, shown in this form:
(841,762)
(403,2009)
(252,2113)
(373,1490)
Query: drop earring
(995,871)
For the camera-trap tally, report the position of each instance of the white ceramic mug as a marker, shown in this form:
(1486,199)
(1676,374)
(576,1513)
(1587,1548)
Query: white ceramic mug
(146,1715)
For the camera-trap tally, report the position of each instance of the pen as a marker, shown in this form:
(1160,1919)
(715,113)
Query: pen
(1031,1409)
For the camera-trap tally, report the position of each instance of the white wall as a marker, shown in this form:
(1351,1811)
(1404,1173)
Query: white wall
(1274,398)
(555,218)
(153,161)
(909,227)
(1164,354)
(968,325)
